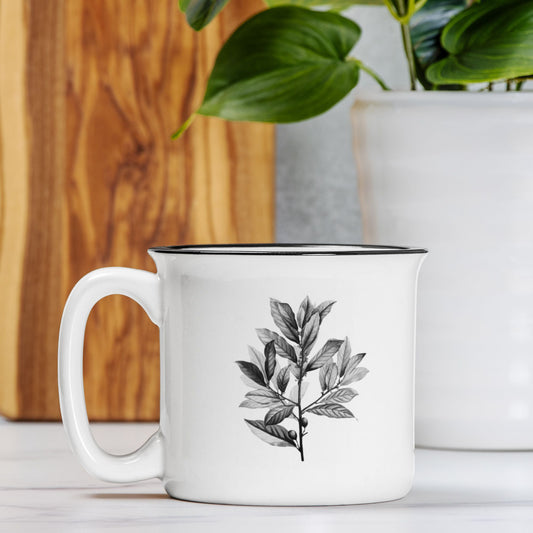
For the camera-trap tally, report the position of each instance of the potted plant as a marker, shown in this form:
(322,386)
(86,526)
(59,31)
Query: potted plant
(448,167)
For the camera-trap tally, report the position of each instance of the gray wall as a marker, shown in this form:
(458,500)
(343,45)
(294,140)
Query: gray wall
(316,177)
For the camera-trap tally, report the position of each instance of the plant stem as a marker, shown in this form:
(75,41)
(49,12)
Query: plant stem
(409,54)
(371,73)
(300,425)
(181,130)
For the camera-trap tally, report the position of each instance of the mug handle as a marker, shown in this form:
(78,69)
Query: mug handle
(143,287)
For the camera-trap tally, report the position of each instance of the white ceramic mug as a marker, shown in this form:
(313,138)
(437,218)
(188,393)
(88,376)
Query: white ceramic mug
(286,372)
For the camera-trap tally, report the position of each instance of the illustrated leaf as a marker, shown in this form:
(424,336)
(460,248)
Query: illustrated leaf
(425,27)
(353,375)
(283,348)
(332,410)
(256,357)
(293,395)
(248,382)
(343,357)
(270,360)
(251,371)
(353,362)
(284,318)
(265,69)
(328,376)
(252,404)
(274,435)
(200,13)
(324,308)
(325,354)
(304,312)
(341,396)
(283,379)
(489,41)
(265,397)
(278,414)
(277,370)
(295,370)
(309,334)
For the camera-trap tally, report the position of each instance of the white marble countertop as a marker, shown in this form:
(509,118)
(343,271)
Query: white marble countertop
(43,488)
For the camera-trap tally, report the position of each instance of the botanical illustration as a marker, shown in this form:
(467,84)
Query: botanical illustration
(280,373)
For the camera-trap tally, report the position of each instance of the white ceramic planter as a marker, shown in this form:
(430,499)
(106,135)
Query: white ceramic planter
(454,172)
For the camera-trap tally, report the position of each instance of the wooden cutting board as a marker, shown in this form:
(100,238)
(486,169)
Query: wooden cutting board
(90,92)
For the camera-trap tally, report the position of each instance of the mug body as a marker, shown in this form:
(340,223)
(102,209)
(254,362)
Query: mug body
(287,373)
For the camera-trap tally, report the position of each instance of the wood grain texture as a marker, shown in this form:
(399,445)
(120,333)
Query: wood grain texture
(105,83)
(13,194)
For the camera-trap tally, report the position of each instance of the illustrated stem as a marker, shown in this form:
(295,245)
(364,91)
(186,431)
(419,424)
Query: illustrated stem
(300,425)
(300,412)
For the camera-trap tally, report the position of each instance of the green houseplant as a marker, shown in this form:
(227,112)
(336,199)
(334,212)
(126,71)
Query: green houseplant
(447,167)
(266,68)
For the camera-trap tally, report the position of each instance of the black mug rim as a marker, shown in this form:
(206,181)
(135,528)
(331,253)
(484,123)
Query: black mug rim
(293,249)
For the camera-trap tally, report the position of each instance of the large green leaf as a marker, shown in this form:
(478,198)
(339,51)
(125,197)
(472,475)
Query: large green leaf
(426,26)
(200,13)
(333,5)
(283,65)
(490,41)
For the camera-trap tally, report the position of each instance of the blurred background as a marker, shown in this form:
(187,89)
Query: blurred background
(316,178)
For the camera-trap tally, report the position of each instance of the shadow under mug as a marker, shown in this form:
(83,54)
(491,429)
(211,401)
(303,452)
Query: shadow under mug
(286,372)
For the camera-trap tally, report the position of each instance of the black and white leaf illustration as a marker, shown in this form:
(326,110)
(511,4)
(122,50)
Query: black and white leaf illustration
(284,318)
(341,396)
(283,378)
(274,435)
(357,358)
(324,355)
(296,370)
(256,357)
(252,372)
(353,371)
(248,382)
(283,348)
(309,334)
(331,410)
(324,308)
(304,312)
(285,422)
(252,404)
(344,355)
(357,375)
(265,397)
(328,376)
(270,360)
(278,414)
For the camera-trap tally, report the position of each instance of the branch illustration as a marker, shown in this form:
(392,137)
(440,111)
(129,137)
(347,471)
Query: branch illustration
(336,365)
